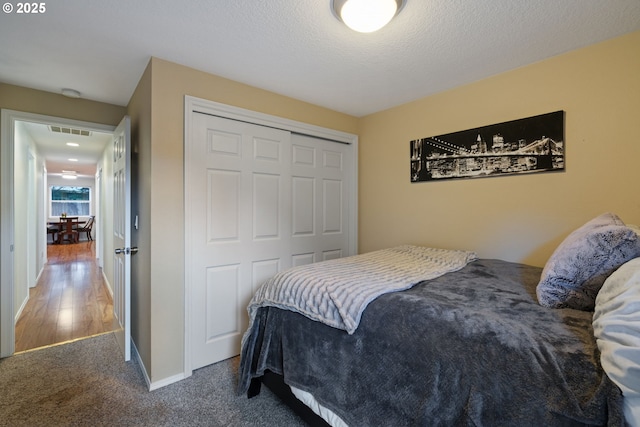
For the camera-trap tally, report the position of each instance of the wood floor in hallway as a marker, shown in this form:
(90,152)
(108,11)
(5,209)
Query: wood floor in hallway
(70,300)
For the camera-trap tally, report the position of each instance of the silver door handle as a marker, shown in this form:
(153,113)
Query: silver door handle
(126,251)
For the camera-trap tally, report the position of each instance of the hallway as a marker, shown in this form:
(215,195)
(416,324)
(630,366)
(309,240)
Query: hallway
(70,300)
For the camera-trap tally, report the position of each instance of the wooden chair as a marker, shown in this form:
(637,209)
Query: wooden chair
(69,229)
(53,229)
(86,228)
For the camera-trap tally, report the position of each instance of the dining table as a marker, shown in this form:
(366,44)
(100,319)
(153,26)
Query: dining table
(67,226)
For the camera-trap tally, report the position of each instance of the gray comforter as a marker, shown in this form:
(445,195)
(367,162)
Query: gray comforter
(470,348)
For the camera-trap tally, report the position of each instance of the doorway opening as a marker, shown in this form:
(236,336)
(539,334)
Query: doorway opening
(44,285)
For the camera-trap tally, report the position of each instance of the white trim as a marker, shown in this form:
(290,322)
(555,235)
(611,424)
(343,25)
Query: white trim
(166,381)
(8,120)
(22,116)
(188,109)
(236,113)
(193,104)
(106,282)
(7,325)
(24,304)
(152,385)
(39,274)
(137,358)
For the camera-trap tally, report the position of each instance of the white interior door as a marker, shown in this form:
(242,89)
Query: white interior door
(122,234)
(260,200)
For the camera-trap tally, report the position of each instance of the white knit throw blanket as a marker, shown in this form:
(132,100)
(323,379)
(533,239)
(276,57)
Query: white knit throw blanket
(336,292)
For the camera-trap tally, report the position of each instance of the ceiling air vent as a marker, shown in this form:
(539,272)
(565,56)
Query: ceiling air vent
(69,131)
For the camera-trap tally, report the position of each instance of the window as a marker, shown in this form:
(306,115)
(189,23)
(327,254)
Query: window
(73,201)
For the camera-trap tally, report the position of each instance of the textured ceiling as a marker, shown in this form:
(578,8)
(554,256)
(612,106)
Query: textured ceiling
(297,48)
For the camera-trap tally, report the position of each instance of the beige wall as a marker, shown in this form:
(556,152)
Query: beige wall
(518,218)
(51,104)
(139,109)
(170,83)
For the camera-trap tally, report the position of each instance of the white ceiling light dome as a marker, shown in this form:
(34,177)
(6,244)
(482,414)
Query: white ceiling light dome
(71,93)
(366,16)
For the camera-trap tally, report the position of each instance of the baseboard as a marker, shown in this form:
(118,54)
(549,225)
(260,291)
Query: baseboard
(138,359)
(38,277)
(24,304)
(106,282)
(157,384)
(26,300)
(166,381)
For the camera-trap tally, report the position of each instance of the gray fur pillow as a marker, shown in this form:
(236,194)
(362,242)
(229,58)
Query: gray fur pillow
(579,266)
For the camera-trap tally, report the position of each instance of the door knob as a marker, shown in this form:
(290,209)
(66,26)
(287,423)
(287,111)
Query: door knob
(126,251)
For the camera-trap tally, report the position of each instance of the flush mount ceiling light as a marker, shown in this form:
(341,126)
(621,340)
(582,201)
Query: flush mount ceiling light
(366,16)
(70,93)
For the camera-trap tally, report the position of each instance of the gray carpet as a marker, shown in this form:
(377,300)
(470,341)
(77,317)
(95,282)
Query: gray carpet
(87,383)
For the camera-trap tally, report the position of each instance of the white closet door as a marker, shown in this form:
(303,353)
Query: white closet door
(319,200)
(261,200)
(239,221)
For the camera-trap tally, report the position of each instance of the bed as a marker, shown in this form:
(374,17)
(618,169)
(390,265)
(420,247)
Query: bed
(481,342)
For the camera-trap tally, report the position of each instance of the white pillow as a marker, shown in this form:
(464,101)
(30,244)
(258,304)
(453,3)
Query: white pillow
(616,326)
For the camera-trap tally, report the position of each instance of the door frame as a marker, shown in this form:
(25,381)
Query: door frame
(199,105)
(8,119)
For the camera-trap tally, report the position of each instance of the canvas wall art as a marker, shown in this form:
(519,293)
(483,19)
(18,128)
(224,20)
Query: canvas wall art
(532,144)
